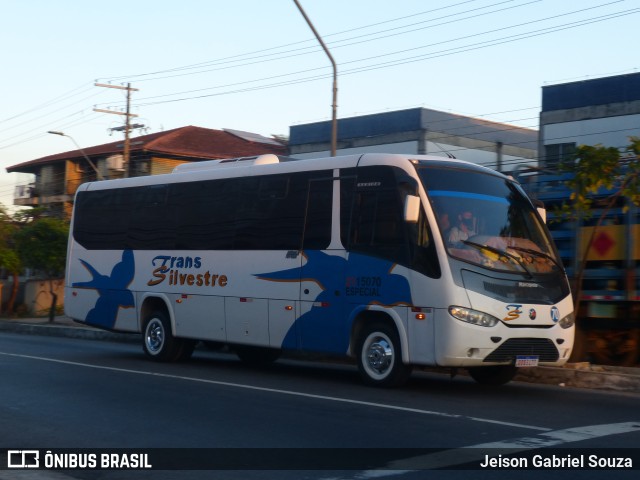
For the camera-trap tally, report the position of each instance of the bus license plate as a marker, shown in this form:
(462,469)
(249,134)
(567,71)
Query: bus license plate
(527,361)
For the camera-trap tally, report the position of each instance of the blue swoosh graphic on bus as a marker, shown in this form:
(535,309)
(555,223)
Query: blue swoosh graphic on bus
(327,326)
(112,290)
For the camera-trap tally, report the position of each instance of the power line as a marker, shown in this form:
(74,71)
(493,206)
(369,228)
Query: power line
(41,128)
(19,138)
(381,65)
(291,53)
(223,59)
(509,162)
(288,78)
(82,100)
(248,63)
(53,101)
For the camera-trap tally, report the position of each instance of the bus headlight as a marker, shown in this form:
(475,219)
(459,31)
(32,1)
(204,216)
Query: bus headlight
(568,321)
(473,316)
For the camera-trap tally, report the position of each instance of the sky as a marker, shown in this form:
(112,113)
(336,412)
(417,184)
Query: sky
(254,65)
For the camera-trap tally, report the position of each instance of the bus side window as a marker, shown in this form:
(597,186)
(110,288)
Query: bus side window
(102,219)
(372,214)
(150,227)
(317,229)
(424,257)
(372,218)
(205,214)
(377,224)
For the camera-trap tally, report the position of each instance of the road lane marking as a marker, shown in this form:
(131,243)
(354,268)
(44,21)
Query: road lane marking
(283,392)
(477,453)
(34,475)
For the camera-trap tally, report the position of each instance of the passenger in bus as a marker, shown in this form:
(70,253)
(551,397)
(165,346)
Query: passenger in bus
(463,230)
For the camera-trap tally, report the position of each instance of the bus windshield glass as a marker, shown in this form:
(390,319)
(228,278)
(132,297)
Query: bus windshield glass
(487,220)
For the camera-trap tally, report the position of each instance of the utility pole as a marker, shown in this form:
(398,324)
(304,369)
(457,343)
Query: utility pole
(127,121)
(334,105)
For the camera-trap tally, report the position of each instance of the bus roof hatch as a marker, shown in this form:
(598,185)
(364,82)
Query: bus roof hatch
(227,162)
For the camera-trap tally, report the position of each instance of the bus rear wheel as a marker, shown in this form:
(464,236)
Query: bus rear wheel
(379,356)
(158,342)
(494,376)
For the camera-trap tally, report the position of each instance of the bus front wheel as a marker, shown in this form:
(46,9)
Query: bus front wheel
(379,356)
(158,342)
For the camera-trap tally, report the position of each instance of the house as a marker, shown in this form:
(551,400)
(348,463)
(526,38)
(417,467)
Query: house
(58,176)
(421,131)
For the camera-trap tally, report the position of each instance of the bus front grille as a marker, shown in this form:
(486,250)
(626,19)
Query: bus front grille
(543,348)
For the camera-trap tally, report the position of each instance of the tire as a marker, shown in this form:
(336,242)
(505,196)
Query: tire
(158,342)
(188,346)
(494,375)
(257,356)
(379,356)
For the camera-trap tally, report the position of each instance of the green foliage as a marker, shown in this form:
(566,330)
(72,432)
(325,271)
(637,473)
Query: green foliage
(42,245)
(632,189)
(29,215)
(9,259)
(602,177)
(29,239)
(601,171)
(8,256)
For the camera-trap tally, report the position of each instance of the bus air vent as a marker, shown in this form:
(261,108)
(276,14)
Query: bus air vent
(541,347)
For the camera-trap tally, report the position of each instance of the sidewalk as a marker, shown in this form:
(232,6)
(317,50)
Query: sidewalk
(62,326)
(576,375)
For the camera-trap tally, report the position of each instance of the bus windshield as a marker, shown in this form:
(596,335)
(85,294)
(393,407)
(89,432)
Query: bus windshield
(487,220)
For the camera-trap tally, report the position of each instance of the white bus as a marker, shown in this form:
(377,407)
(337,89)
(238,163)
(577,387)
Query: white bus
(347,256)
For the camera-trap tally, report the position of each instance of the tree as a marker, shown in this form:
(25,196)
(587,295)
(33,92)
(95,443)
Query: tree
(602,177)
(42,245)
(9,259)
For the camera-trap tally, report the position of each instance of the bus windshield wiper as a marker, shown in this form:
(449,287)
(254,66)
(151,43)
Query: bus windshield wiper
(536,253)
(501,253)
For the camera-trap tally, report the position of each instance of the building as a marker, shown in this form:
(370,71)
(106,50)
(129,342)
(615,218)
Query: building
(58,176)
(602,111)
(600,250)
(421,131)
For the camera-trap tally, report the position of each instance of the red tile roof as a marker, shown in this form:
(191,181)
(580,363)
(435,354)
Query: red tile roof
(190,141)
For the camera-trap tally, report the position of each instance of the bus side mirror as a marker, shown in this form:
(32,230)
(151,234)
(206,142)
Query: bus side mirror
(542,211)
(411,209)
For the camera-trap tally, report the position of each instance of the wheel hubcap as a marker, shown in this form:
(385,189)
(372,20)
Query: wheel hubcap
(379,355)
(155,336)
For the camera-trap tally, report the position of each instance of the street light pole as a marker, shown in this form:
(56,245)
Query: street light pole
(334,105)
(84,154)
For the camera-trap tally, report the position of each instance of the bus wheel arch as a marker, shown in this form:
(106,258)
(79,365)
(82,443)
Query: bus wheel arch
(377,346)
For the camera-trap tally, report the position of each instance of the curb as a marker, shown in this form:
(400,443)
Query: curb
(584,375)
(576,375)
(69,331)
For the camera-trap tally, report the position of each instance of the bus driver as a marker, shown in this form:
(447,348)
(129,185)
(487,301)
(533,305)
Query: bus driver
(462,230)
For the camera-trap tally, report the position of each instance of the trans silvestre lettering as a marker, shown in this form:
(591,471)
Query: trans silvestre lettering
(179,271)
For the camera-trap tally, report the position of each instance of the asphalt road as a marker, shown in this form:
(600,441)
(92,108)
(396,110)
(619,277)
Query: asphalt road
(61,393)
